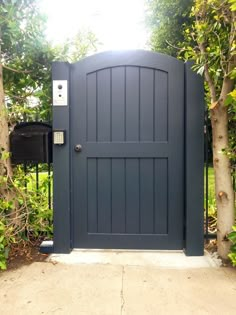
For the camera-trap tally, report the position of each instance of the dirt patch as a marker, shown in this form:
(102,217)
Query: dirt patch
(24,253)
(211,247)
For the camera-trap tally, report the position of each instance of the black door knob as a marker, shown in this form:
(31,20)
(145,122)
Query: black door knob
(78,148)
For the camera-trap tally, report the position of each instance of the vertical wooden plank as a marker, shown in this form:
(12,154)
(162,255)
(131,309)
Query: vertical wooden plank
(104,195)
(132,196)
(161,195)
(176,152)
(91,107)
(161,106)
(132,103)
(103,105)
(146,196)
(118,195)
(92,195)
(118,104)
(194,161)
(146,104)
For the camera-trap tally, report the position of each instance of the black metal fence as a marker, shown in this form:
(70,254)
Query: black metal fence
(38,169)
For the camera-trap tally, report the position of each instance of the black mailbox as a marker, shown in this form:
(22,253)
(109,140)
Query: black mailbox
(31,142)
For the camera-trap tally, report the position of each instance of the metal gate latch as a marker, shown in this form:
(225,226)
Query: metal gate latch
(78,148)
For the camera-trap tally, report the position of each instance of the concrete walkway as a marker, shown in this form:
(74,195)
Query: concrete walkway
(120,287)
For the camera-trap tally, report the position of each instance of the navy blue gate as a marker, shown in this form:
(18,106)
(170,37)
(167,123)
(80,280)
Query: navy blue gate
(129,173)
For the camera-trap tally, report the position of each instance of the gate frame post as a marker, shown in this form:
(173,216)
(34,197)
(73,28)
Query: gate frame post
(194,162)
(61,168)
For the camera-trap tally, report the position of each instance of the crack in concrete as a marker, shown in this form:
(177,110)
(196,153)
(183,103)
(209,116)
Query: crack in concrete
(122,291)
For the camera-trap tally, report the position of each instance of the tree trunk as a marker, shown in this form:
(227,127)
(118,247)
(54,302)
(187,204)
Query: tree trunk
(7,193)
(5,164)
(223,180)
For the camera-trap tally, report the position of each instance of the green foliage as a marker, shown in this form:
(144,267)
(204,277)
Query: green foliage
(35,201)
(4,245)
(212,213)
(230,102)
(211,183)
(232,238)
(214,51)
(32,217)
(232,5)
(77,47)
(27,56)
(210,32)
(166,20)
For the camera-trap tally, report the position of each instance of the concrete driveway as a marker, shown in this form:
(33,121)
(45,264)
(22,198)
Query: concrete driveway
(124,286)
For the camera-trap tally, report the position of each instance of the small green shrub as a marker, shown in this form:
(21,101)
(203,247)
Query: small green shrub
(211,190)
(4,249)
(26,215)
(232,238)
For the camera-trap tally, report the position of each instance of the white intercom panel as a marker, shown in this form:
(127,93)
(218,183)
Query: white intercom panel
(59,137)
(60,93)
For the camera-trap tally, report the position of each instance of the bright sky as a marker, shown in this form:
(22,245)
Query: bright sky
(118,24)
